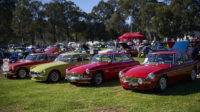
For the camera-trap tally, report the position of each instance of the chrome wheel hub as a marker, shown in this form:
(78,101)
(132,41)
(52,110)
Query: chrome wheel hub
(98,79)
(163,83)
(54,76)
(22,73)
(193,75)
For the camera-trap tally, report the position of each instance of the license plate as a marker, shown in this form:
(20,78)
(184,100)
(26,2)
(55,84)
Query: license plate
(132,84)
(5,68)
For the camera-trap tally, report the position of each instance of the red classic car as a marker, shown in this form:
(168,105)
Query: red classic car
(102,67)
(159,70)
(21,69)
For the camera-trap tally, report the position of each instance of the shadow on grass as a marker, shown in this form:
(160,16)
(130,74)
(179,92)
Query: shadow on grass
(181,88)
(106,83)
(15,78)
(61,81)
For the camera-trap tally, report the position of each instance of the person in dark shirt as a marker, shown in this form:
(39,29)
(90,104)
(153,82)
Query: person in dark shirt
(195,52)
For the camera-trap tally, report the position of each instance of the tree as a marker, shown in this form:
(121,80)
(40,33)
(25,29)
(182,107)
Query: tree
(37,25)
(22,19)
(103,11)
(162,21)
(186,13)
(6,8)
(61,19)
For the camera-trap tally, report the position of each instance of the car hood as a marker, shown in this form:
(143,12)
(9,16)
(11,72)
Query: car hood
(181,46)
(141,71)
(82,68)
(21,63)
(41,67)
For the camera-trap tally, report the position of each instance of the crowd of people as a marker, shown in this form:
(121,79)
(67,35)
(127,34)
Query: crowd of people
(145,46)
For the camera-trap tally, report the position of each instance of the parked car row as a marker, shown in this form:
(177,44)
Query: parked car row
(158,71)
(16,53)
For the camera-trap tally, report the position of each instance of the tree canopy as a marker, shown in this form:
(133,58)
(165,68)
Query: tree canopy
(31,21)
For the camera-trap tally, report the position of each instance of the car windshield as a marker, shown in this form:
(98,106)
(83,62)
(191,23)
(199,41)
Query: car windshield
(159,59)
(106,58)
(31,57)
(64,58)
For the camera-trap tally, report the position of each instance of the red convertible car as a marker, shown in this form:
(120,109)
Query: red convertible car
(159,70)
(21,69)
(101,67)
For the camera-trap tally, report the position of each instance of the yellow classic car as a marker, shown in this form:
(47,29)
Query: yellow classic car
(54,71)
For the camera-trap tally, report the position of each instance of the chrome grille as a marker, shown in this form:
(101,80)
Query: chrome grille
(131,79)
(74,74)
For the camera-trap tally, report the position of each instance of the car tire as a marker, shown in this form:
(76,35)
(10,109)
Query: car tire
(97,79)
(54,76)
(22,73)
(193,75)
(161,84)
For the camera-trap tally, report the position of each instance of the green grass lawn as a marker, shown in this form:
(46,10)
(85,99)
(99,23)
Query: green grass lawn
(26,95)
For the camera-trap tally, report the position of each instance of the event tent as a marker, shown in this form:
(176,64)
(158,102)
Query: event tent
(130,36)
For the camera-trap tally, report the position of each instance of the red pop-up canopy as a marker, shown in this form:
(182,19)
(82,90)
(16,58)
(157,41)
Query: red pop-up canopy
(130,36)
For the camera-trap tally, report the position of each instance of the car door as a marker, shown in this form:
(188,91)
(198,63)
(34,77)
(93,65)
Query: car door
(179,69)
(187,66)
(117,64)
(109,68)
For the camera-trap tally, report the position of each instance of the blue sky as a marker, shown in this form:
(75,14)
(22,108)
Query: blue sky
(85,5)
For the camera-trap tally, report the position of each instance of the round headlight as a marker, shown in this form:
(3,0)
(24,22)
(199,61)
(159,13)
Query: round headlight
(140,81)
(151,76)
(87,71)
(124,79)
(66,70)
(121,73)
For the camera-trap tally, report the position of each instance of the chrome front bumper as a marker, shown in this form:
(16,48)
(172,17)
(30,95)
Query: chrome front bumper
(34,74)
(75,79)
